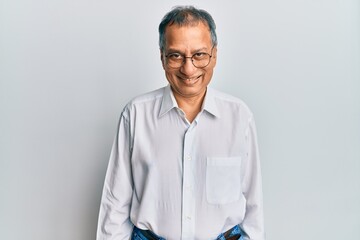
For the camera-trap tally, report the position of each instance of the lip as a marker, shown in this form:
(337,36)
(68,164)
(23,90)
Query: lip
(189,81)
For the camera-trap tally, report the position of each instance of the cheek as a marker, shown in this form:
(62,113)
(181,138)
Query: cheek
(170,76)
(170,72)
(209,72)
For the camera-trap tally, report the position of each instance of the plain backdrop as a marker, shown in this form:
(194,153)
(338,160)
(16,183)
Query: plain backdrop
(68,67)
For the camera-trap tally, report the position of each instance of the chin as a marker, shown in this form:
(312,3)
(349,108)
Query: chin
(190,92)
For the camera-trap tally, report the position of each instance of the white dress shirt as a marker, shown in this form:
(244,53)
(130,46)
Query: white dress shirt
(183,180)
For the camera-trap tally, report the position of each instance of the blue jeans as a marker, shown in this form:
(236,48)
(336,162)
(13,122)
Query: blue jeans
(137,234)
(234,231)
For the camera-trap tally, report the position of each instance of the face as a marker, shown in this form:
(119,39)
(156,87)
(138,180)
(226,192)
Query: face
(188,81)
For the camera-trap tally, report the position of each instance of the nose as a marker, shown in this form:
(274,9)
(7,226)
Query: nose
(188,68)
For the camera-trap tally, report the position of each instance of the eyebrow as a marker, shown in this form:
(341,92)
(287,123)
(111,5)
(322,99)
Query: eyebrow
(173,50)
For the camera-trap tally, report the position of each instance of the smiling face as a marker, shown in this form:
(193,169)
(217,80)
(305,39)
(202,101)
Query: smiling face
(188,81)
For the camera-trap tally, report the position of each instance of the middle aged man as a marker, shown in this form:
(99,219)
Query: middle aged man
(184,164)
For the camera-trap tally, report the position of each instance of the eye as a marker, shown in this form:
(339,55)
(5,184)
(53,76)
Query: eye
(175,56)
(200,55)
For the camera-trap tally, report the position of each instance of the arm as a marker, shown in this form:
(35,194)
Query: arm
(114,216)
(253,224)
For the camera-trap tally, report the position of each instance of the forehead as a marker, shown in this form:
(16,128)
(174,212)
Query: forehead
(190,36)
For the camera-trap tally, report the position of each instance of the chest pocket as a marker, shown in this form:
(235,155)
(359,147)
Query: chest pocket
(223,181)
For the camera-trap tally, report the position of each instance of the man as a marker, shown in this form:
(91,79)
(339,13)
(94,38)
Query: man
(184,164)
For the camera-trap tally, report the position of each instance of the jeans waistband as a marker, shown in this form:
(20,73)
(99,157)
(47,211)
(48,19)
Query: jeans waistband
(139,234)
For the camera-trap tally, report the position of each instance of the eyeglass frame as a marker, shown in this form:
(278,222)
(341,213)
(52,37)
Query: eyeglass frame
(192,61)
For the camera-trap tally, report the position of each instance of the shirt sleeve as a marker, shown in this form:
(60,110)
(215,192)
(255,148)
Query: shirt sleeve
(114,215)
(253,223)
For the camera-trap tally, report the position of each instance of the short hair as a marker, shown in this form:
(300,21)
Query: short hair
(183,16)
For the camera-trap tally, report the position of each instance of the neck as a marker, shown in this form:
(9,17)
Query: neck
(190,105)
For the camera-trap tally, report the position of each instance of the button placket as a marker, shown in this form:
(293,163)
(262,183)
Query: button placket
(188,207)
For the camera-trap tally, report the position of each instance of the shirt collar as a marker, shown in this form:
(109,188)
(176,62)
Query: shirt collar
(209,103)
(169,102)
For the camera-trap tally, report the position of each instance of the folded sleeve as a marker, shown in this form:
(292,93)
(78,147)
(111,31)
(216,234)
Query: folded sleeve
(114,215)
(253,223)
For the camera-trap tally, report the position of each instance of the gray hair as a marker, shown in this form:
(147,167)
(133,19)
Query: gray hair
(183,16)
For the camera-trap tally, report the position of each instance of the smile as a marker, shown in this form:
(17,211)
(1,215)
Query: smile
(189,80)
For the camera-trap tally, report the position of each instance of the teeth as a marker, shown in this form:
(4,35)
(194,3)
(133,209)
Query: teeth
(190,79)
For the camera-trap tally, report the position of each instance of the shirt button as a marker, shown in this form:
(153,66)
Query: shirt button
(188,217)
(188,158)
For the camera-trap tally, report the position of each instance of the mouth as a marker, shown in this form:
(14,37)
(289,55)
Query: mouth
(189,81)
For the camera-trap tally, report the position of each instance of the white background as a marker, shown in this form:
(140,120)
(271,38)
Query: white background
(68,67)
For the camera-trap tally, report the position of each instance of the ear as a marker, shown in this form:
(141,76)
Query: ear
(214,52)
(162,58)
(214,55)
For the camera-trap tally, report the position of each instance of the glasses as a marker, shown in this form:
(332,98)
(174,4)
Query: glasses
(199,59)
